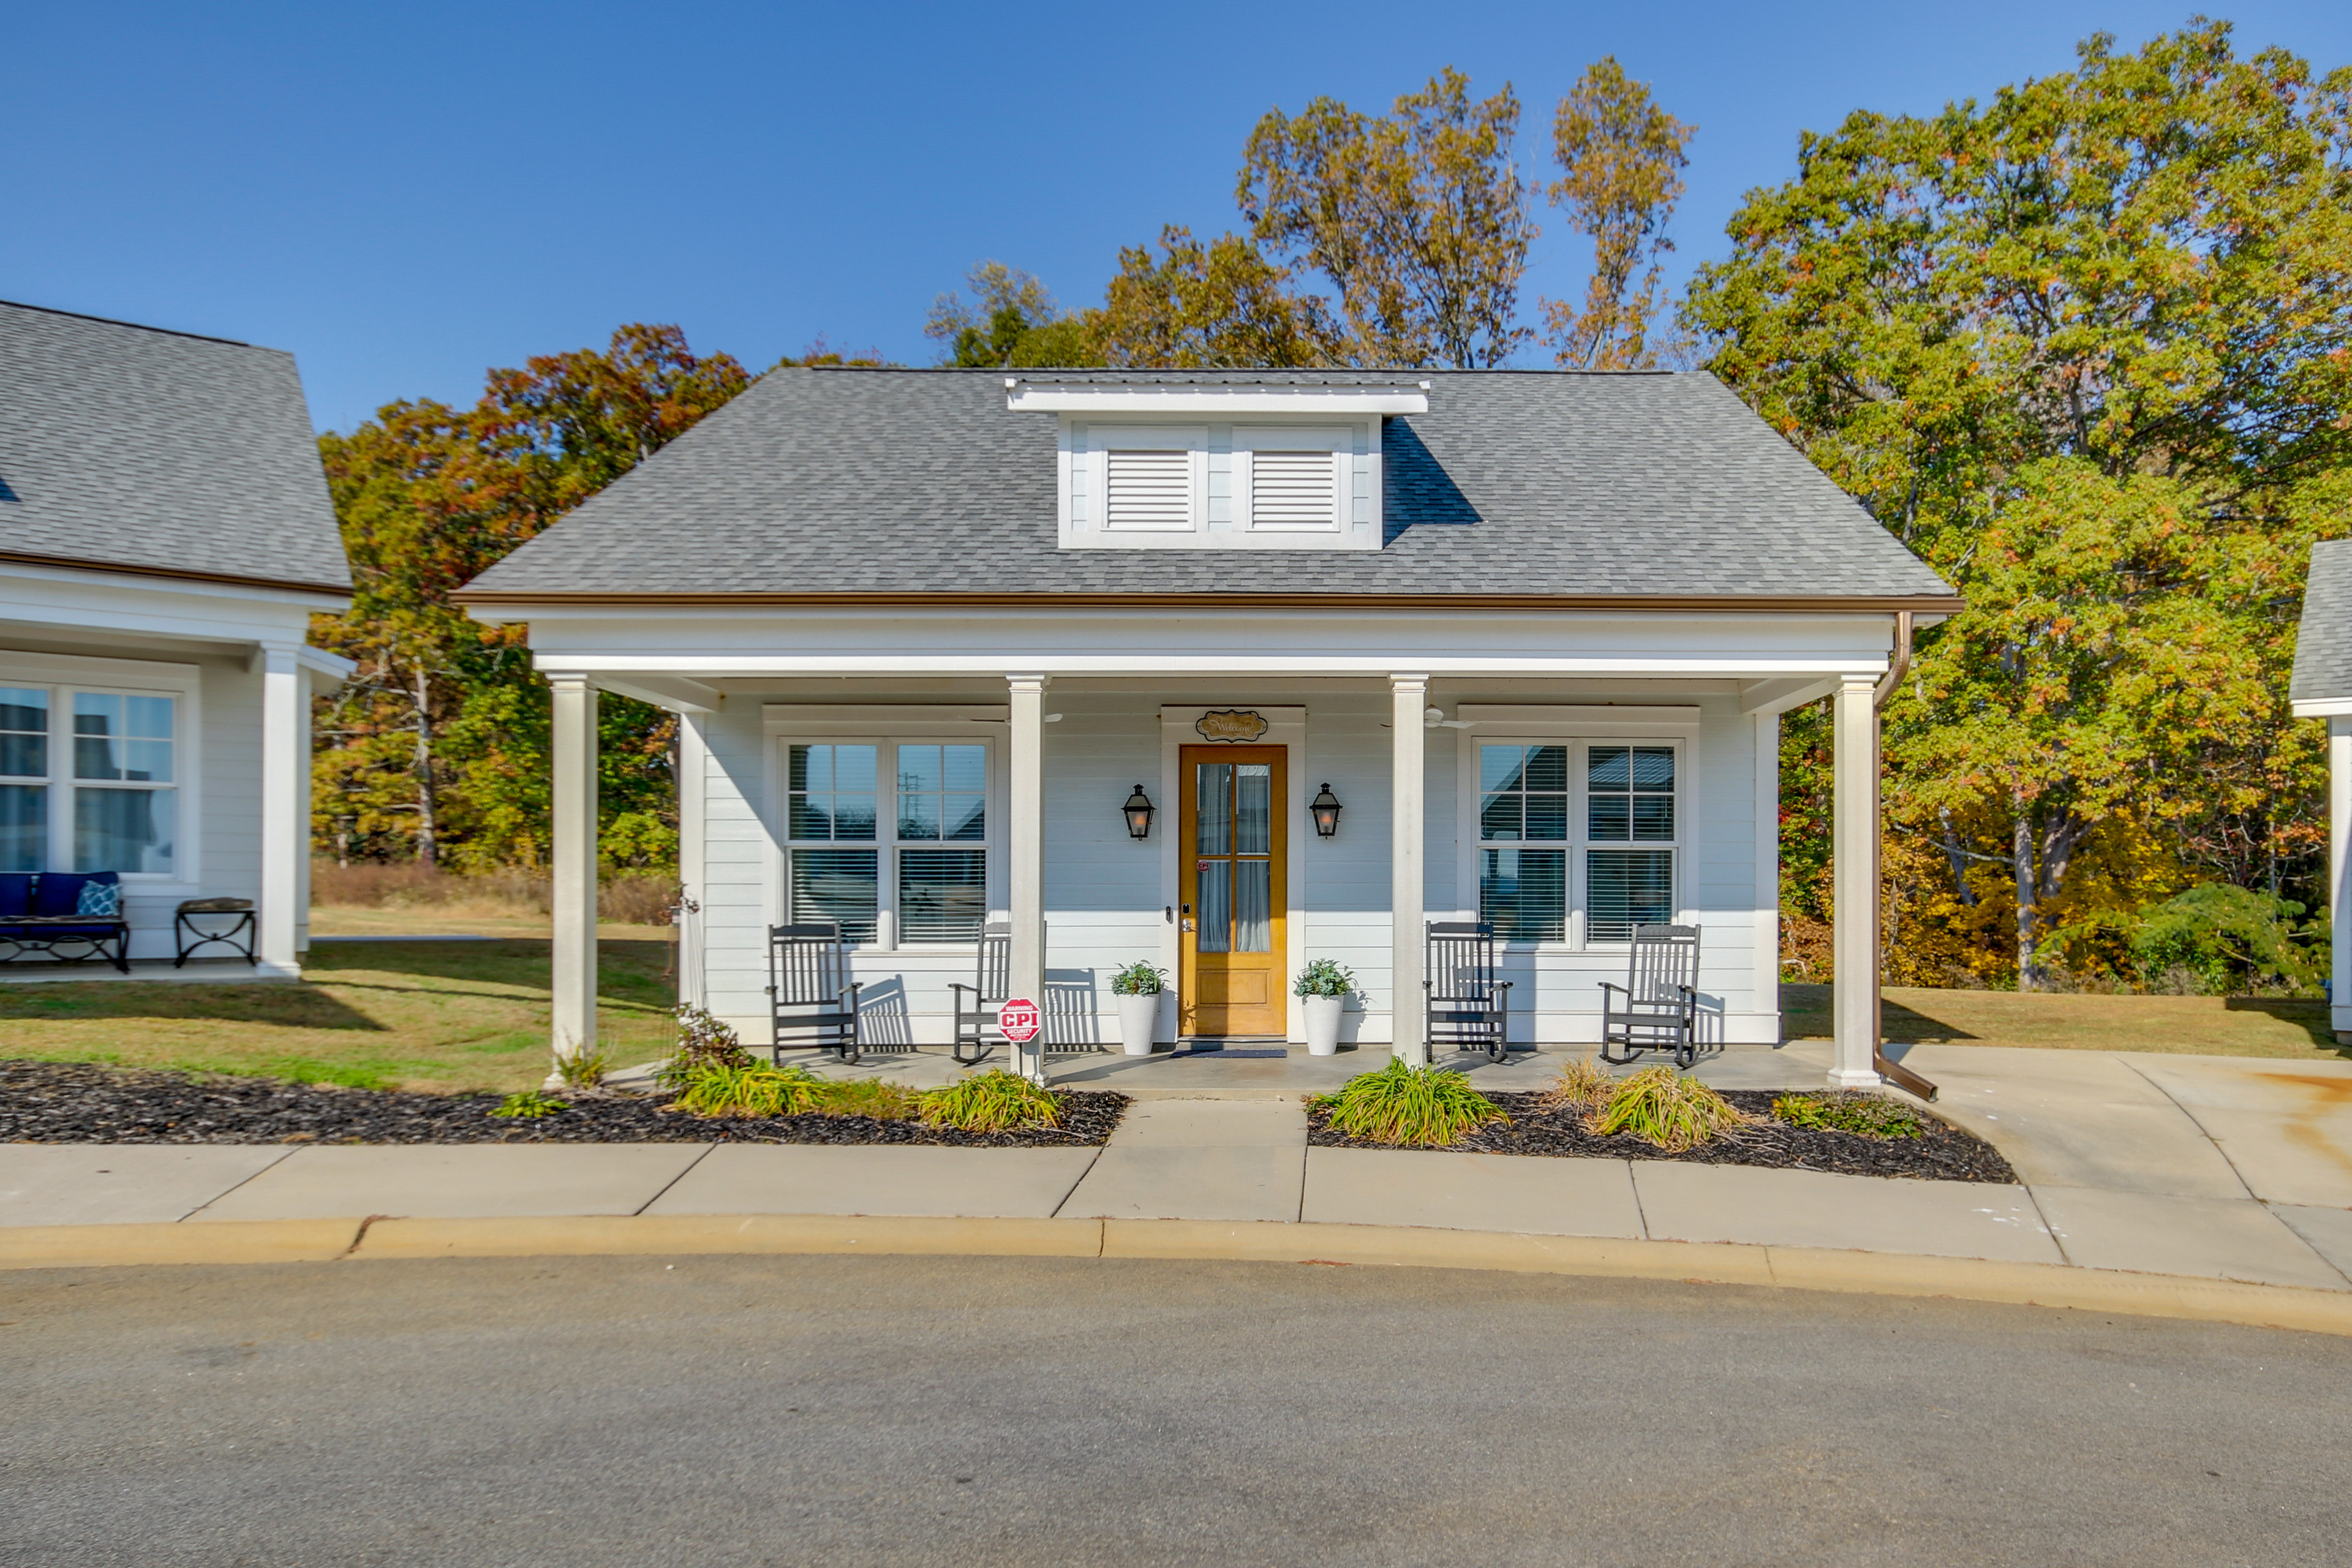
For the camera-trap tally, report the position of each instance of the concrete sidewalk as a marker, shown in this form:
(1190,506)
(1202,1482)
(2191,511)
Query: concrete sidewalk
(2215,1168)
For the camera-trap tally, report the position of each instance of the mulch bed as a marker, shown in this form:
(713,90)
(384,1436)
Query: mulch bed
(68,1102)
(1945,1154)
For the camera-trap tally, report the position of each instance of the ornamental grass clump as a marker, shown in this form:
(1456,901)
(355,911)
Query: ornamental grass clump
(1425,1106)
(991,1101)
(1869,1115)
(715,1089)
(1582,1085)
(1667,1108)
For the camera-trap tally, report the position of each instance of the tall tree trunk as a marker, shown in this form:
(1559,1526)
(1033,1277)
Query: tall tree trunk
(429,848)
(2027,885)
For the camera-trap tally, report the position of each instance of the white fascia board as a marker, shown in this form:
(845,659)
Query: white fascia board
(672,692)
(604,667)
(133,581)
(81,603)
(1759,699)
(1217,402)
(2322,708)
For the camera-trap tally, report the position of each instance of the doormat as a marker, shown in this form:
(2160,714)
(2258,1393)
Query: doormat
(1222,1051)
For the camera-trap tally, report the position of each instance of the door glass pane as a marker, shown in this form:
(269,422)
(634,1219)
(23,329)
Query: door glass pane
(1214,900)
(942,894)
(123,829)
(836,885)
(1253,812)
(23,828)
(832,792)
(1213,810)
(1628,888)
(1523,894)
(25,732)
(1252,906)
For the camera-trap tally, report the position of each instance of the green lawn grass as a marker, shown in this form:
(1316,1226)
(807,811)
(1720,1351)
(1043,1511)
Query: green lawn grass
(427,1016)
(2194,1026)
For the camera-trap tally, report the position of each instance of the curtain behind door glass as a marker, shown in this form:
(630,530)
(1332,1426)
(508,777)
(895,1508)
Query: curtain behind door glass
(1216,905)
(1212,832)
(1252,906)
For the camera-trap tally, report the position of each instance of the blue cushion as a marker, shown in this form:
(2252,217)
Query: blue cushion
(15,892)
(59,892)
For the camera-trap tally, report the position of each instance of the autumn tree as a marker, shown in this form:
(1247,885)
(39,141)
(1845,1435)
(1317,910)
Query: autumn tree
(1621,159)
(1216,304)
(2088,349)
(1011,322)
(1417,219)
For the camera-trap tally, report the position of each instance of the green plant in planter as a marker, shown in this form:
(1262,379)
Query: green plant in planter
(1324,978)
(1428,1107)
(1665,1108)
(991,1101)
(1140,979)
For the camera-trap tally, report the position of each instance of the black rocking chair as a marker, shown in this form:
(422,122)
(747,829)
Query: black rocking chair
(1660,1010)
(975,1021)
(1468,1006)
(809,990)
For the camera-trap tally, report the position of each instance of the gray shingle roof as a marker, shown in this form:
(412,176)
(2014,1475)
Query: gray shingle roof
(1514,483)
(2323,645)
(130,447)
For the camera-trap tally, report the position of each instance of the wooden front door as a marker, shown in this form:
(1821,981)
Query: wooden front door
(1232,843)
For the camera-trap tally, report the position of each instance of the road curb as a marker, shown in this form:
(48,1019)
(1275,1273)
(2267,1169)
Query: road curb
(1709,1263)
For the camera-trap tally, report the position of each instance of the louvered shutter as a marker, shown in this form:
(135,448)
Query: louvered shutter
(1293,491)
(1150,489)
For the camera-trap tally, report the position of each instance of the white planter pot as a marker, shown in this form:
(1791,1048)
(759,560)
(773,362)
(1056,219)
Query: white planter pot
(1139,1020)
(1323,1024)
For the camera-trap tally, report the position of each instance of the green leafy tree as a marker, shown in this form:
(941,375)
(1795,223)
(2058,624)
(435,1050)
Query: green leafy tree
(1218,304)
(1012,322)
(1417,219)
(1621,159)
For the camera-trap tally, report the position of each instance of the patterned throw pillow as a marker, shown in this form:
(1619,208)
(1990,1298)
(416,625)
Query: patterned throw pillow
(102,899)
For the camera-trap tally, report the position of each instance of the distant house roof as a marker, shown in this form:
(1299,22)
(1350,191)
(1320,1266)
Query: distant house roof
(133,448)
(2323,646)
(1540,485)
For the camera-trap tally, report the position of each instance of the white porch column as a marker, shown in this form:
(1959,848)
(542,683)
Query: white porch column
(285,822)
(1025,869)
(693,854)
(573,832)
(1854,851)
(1408,696)
(2339,894)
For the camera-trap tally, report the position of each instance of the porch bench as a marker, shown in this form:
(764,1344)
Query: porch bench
(41,912)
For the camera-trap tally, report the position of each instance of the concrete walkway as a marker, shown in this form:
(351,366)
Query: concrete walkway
(2217,1168)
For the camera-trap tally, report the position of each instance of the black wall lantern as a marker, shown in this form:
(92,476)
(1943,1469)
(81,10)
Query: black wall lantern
(1326,807)
(1139,814)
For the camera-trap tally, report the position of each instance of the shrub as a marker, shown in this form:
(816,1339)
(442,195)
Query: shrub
(1581,1085)
(702,1041)
(2230,937)
(1139,979)
(531,1105)
(1425,1106)
(716,1088)
(867,1097)
(991,1101)
(1324,978)
(1667,1108)
(1870,1115)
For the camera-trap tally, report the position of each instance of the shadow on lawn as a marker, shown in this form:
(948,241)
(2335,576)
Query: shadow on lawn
(1805,1014)
(2311,1017)
(629,978)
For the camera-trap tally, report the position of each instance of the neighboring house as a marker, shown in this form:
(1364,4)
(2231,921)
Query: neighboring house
(165,535)
(927,630)
(2322,688)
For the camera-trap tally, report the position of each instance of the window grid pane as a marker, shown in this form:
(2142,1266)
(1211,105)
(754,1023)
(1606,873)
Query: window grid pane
(23,732)
(942,894)
(23,828)
(832,792)
(127,830)
(1523,794)
(942,794)
(837,885)
(1626,888)
(1523,894)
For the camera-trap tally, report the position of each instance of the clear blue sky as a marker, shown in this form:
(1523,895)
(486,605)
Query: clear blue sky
(405,195)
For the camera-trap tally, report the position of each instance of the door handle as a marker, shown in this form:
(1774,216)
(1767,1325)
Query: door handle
(1188,925)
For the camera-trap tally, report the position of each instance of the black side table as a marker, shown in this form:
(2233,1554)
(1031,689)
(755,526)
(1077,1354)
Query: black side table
(237,934)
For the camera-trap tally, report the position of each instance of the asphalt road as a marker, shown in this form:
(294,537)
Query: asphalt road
(881,1410)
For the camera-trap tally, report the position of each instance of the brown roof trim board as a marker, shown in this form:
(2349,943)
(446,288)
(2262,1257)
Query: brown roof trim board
(1926,604)
(133,569)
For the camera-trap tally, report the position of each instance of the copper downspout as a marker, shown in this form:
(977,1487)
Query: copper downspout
(1887,1068)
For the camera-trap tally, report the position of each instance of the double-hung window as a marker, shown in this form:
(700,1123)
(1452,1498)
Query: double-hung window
(889,838)
(1571,827)
(89,780)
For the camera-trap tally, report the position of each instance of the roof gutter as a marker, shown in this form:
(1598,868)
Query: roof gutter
(1905,606)
(1887,1066)
(173,574)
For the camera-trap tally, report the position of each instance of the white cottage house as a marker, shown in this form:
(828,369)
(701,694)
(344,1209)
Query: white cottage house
(2321,688)
(931,631)
(165,535)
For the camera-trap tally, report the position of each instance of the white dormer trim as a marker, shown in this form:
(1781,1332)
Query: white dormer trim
(1221,403)
(1220,465)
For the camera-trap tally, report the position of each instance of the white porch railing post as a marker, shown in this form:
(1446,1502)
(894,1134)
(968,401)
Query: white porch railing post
(2339,852)
(285,813)
(1855,850)
(1026,851)
(1409,695)
(572,851)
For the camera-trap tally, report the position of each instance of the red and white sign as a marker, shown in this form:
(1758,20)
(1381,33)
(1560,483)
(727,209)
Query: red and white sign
(1020,1020)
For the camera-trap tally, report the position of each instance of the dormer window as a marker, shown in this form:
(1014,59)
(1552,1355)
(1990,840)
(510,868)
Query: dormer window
(1218,465)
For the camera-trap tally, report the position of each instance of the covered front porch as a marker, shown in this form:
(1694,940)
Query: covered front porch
(914,793)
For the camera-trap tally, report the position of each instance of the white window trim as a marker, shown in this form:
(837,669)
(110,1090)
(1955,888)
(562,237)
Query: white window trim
(1221,489)
(62,675)
(785,732)
(1249,440)
(1534,726)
